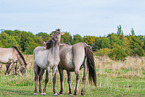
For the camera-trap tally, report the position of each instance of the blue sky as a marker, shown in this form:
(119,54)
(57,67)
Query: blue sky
(84,17)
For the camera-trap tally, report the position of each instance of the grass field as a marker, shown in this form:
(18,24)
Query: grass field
(114,79)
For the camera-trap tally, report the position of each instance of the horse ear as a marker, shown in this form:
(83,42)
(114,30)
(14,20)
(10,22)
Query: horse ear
(44,43)
(61,33)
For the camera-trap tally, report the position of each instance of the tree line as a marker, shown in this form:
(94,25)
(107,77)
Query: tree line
(115,45)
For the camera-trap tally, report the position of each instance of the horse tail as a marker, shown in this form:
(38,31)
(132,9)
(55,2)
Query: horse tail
(19,52)
(91,64)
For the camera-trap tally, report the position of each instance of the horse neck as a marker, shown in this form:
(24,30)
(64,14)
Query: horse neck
(55,49)
(20,60)
(19,57)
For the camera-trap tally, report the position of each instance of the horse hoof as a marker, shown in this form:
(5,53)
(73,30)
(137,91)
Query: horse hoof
(60,93)
(70,94)
(35,93)
(83,94)
(44,94)
(55,94)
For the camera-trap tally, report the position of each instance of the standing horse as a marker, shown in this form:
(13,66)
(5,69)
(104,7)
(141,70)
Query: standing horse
(45,59)
(72,59)
(11,56)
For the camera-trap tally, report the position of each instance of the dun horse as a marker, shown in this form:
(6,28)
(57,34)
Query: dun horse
(73,58)
(45,59)
(11,56)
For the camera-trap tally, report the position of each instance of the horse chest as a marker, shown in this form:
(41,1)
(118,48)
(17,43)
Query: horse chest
(53,59)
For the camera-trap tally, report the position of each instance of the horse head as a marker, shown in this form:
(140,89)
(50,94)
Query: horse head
(56,35)
(23,70)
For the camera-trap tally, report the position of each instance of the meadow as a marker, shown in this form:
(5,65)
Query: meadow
(114,79)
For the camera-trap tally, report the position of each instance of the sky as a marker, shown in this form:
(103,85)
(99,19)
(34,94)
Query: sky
(83,17)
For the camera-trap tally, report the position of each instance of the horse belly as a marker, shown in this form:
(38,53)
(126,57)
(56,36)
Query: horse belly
(66,62)
(4,58)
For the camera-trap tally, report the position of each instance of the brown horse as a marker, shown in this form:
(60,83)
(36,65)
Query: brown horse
(11,56)
(45,59)
(72,59)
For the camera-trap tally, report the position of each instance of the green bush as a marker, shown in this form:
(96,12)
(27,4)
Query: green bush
(118,53)
(103,52)
(137,51)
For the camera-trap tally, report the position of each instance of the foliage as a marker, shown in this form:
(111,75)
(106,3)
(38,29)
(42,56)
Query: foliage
(105,43)
(76,39)
(116,45)
(118,53)
(1,44)
(89,40)
(103,52)
(43,35)
(66,38)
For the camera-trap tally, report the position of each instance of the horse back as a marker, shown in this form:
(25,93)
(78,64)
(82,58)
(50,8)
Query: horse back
(7,54)
(72,57)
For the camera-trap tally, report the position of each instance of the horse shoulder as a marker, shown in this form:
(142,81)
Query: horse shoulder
(40,56)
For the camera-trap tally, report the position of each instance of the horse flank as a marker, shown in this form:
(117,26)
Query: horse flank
(21,55)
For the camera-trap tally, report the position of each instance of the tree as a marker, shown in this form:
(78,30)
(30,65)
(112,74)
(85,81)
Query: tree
(115,40)
(30,45)
(43,35)
(1,45)
(137,51)
(119,30)
(105,43)
(132,32)
(76,39)
(89,40)
(118,53)
(23,41)
(7,41)
(103,52)
(66,38)
(97,44)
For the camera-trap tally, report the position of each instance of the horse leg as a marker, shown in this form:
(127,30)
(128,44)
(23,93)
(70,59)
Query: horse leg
(0,65)
(15,68)
(84,77)
(54,80)
(36,79)
(8,67)
(40,79)
(61,79)
(77,81)
(69,81)
(46,79)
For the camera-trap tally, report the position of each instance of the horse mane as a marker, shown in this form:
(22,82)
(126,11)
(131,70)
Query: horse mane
(19,52)
(49,43)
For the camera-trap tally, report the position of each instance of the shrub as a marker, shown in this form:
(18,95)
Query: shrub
(118,53)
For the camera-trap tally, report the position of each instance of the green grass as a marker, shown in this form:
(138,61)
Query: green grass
(114,79)
(107,85)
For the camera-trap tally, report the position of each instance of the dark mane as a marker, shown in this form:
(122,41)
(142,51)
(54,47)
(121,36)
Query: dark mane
(19,52)
(49,44)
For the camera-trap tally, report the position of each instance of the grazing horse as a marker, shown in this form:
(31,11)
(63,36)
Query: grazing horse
(45,58)
(72,59)
(11,56)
